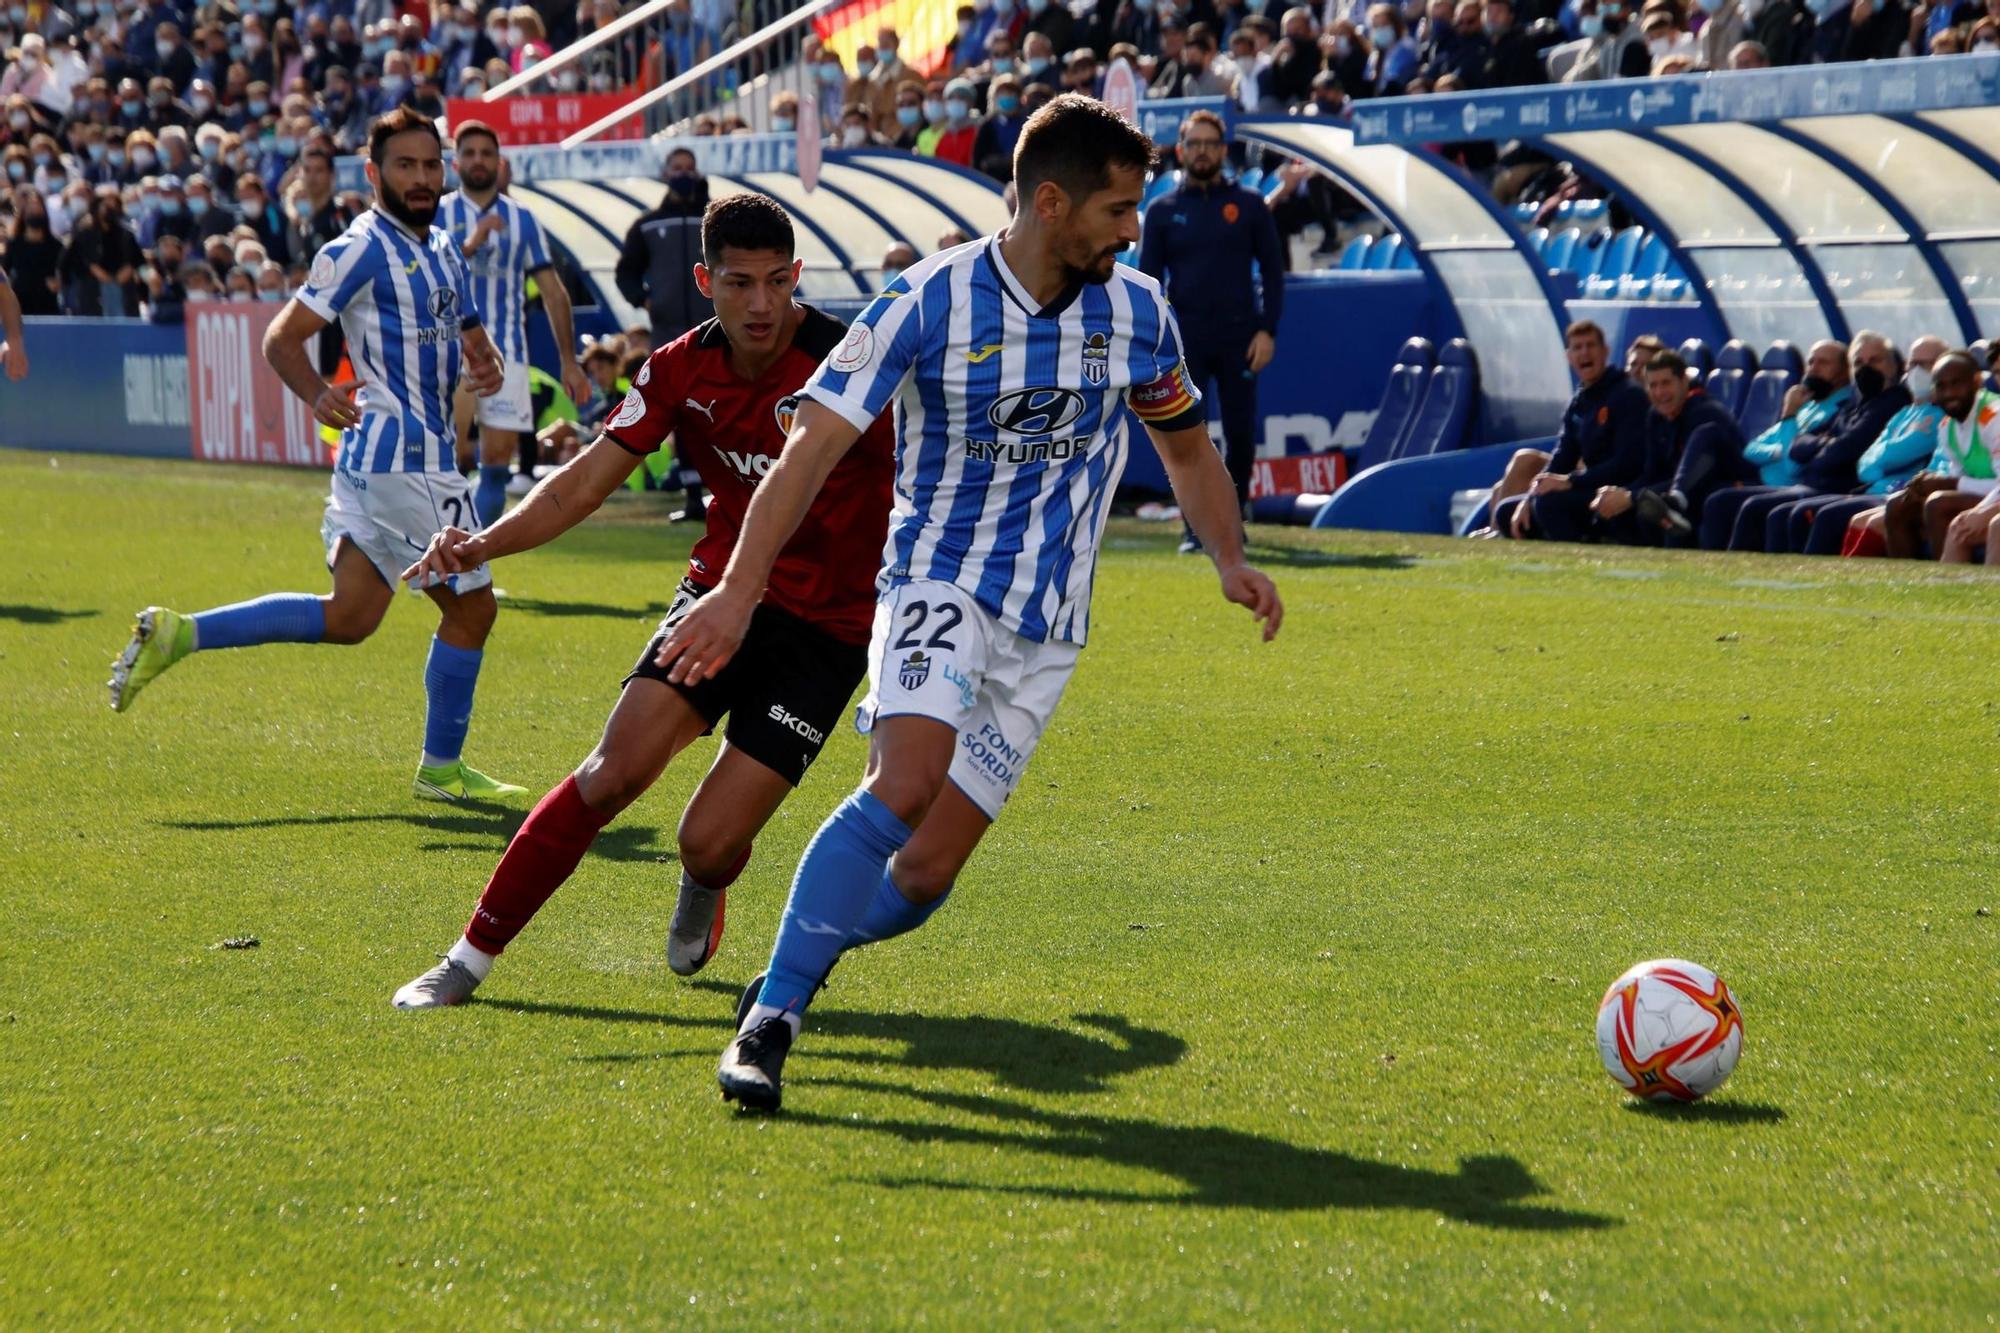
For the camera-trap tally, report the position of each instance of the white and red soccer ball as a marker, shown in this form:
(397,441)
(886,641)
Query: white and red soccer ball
(1669,1031)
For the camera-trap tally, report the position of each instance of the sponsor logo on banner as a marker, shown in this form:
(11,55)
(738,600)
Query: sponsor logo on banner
(545,118)
(242,412)
(1121,90)
(1299,474)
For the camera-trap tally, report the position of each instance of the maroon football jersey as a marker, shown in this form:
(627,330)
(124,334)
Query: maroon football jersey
(732,430)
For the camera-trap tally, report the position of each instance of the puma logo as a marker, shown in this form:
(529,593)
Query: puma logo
(976,357)
(708,411)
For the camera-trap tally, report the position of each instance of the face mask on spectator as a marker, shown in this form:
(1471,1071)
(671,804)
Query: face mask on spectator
(19,14)
(855,136)
(165,50)
(1825,9)
(933,110)
(783,124)
(170,207)
(569,81)
(1143,6)
(131,106)
(43,159)
(1817,387)
(1384,37)
(958,112)
(520,36)
(287,145)
(472,88)
(890,273)
(1038,66)
(683,183)
(117,156)
(253,42)
(271,294)
(831,75)
(863,68)
(1035,7)
(1003,7)
(394,88)
(497,34)
(1660,47)
(17,170)
(149,203)
(1869,381)
(1918,382)
(20,120)
(909,116)
(1003,64)
(198,295)
(1007,103)
(202,104)
(260,107)
(143,158)
(302,208)
(1591,26)
(252,205)
(95,152)
(197,205)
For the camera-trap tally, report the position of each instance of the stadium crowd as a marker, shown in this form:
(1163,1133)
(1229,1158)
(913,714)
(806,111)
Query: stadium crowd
(158,152)
(1875,451)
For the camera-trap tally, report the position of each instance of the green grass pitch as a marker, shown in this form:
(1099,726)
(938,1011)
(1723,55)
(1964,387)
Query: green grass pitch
(1269,1002)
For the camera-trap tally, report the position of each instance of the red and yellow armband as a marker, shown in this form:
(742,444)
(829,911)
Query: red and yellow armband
(1169,402)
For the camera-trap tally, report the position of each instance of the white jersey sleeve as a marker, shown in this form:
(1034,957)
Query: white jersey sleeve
(342,270)
(867,370)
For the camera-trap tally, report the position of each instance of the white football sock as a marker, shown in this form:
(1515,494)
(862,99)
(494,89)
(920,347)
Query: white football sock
(471,957)
(760,1012)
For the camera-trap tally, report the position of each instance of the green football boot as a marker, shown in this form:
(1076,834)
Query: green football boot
(461,782)
(159,639)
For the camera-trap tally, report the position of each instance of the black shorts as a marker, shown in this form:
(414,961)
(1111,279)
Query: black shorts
(784,691)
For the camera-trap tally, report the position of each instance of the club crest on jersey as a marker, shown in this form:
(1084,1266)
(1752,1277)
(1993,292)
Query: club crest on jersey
(1097,358)
(322,271)
(856,350)
(787,412)
(444,305)
(916,669)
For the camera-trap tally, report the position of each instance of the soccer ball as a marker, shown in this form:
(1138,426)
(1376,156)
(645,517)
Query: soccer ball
(1669,1031)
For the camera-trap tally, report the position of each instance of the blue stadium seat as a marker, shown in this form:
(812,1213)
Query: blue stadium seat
(1449,398)
(1405,257)
(1537,237)
(1251,178)
(1730,380)
(1526,212)
(1559,249)
(1699,358)
(1588,211)
(1386,254)
(1654,260)
(1399,403)
(1354,257)
(1619,254)
(1782,368)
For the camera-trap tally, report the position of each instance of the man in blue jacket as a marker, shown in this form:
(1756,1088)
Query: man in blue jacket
(1826,458)
(1200,241)
(1684,426)
(1603,443)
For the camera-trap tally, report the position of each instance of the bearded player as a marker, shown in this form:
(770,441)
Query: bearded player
(1012,363)
(727,392)
(403,296)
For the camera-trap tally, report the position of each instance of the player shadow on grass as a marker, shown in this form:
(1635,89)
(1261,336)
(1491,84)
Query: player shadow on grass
(537,606)
(620,842)
(1217,1167)
(23,614)
(1028,1057)
(1299,557)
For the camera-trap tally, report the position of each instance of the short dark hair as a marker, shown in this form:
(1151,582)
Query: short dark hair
(1074,141)
(392,123)
(744,222)
(472,129)
(1584,328)
(1208,118)
(1667,361)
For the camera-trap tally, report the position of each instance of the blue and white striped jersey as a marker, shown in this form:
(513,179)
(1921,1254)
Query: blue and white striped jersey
(500,266)
(1010,424)
(402,301)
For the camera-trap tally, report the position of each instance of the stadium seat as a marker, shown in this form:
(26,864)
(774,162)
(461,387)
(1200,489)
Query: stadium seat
(1449,398)
(1354,256)
(1618,254)
(1537,237)
(1405,257)
(1700,360)
(1730,380)
(1386,253)
(1782,368)
(1559,249)
(1399,403)
(1654,260)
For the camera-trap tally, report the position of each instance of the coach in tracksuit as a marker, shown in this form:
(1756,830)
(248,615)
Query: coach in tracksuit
(1603,443)
(656,273)
(1200,240)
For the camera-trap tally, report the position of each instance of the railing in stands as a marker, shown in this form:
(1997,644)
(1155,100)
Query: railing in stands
(648,49)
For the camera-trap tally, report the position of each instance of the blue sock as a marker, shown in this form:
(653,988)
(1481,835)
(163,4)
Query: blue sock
(490,500)
(283,617)
(891,914)
(845,863)
(449,678)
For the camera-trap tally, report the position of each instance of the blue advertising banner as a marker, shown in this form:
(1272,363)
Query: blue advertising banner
(1878,87)
(106,386)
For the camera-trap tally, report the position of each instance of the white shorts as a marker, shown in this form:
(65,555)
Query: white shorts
(392,516)
(510,409)
(936,653)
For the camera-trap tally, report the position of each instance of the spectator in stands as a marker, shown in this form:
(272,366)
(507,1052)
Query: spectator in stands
(968,43)
(238,285)
(1749,55)
(856,129)
(171,218)
(1819,524)
(1052,21)
(315,215)
(999,61)
(1602,443)
(102,262)
(1393,60)
(910,114)
(1961,473)
(1514,62)
(1080,73)
(832,83)
(960,130)
(530,39)
(1133,22)
(1862,30)
(784,112)
(1725,28)
(1616,48)
(1665,34)
(993,145)
(209,219)
(951,238)
(1201,239)
(34,258)
(1819,458)
(656,266)
(197,282)
(876,97)
(1038,60)
(1684,425)
(1458,47)
(889,71)
(254,206)
(899,256)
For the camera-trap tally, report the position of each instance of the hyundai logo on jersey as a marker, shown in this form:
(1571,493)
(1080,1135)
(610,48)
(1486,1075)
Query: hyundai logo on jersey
(1035,411)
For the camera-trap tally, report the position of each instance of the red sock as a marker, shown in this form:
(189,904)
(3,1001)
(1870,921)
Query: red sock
(1864,542)
(542,855)
(729,876)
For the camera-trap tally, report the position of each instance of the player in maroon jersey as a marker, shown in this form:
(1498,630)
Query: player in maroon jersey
(725,391)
